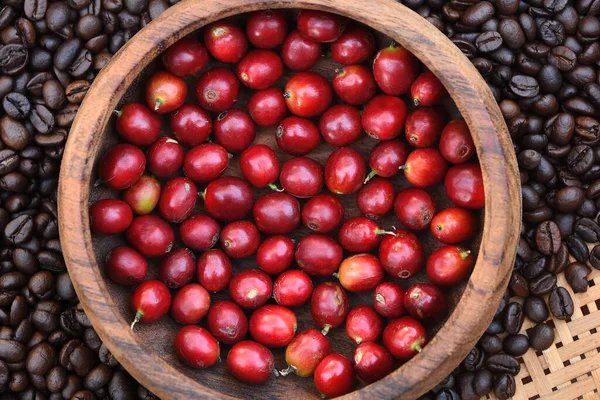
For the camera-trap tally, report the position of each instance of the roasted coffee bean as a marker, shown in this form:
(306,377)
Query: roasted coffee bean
(552,32)
(535,267)
(81,64)
(76,91)
(40,359)
(106,356)
(518,284)
(587,128)
(541,337)
(18,381)
(12,351)
(516,345)
(513,317)
(504,386)
(121,386)
(561,304)
(503,363)
(474,361)
(66,53)
(558,262)
(42,284)
(98,377)
(478,13)
(577,275)
(19,230)
(16,105)
(543,284)
(447,394)
(547,237)
(54,94)
(580,159)
(578,248)
(465,386)
(524,86)
(42,119)
(562,58)
(511,33)
(588,230)
(9,161)
(13,58)
(56,379)
(13,133)
(66,115)
(18,311)
(590,55)
(490,343)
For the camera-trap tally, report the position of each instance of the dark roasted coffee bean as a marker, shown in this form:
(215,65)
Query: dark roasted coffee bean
(588,230)
(57,16)
(595,257)
(42,284)
(504,386)
(13,58)
(566,91)
(524,86)
(516,345)
(18,311)
(18,381)
(578,248)
(503,56)
(562,58)
(542,285)
(546,105)
(581,75)
(40,359)
(106,356)
(535,309)
(590,54)
(54,94)
(580,159)
(447,394)
(548,238)
(577,276)
(545,170)
(98,377)
(12,351)
(541,337)
(535,266)
(588,128)
(519,285)
(35,9)
(19,230)
(483,382)
(558,262)
(66,53)
(474,361)
(465,386)
(561,304)
(9,161)
(568,199)
(579,105)
(35,84)
(13,133)
(491,344)
(552,32)
(478,13)
(531,199)
(42,119)
(56,379)
(66,115)
(16,105)
(44,321)
(513,317)
(503,363)
(81,64)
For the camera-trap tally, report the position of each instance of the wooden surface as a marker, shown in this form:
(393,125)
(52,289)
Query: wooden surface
(146,353)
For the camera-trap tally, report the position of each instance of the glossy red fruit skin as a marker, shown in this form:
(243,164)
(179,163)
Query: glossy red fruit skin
(276,213)
(395,70)
(190,304)
(178,199)
(354,46)
(214,270)
(143,196)
(196,347)
(345,171)
(363,325)
(404,337)
(425,302)
(456,143)
(360,273)
(301,177)
(125,266)
(122,166)
(228,198)
(185,57)
(225,41)
(150,235)
(275,254)
(150,301)
(372,362)
(425,167)
(297,136)
(321,26)
(266,29)
(329,305)
(259,165)
(273,325)
(217,90)
(360,235)
(334,376)
(235,130)
(323,213)
(137,124)
(318,255)
(464,186)
(250,362)
(177,268)
(240,239)
(388,300)
(260,69)
(424,126)
(199,232)
(292,288)
(414,208)
(427,90)
(267,107)
(206,162)
(354,84)
(165,92)
(307,94)
(306,351)
(376,198)
(110,216)
(250,288)
(449,265)
(227,322)
(384,117)
(454,225)
(165,157)
(341,125)
(300,53)
(402,255)
(387,157)
(191,124)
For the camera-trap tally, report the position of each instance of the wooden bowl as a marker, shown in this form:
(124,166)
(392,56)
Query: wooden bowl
(147,351)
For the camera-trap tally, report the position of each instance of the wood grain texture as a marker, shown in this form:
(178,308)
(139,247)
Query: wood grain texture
(473,99)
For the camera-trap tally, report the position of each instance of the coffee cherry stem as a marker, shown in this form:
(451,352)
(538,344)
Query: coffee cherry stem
(403,167)
(416,102)
(157,104)
(138,315)
(464,254)
(325,329)
(118,113)
(275,187)
(417,347)
(286,371)
(384,232)
(372,174)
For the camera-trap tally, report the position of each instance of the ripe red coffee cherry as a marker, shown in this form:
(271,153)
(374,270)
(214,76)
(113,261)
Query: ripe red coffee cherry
(334,376)
(384,116)
(250,288)
(275,254)
(199,232)
(150,235)
(354,46)
(235,130)
(143,196)
(376,198)
(329,306)
(225,41)
(214,270)
(150,301)
(401,255)
(301,177)
(250,362)
(372,362)
(259,165)
(354,84)
(260,69)
(273,325)
(425,167)
(190,304)
(388,300)
(300,53)
(323,213)
(228,198)
(307,94)
(297,136)
(177,268)
(137,124)
(345,171)
(185,57)
(266,29)
(125,266)
(424,126)
(456,143)
(178,199)
(363,325)
(414,208)
(341,125)
(425,302)
(360,235)
(227,322)
(360,273)
(276,213)
(305,352)
(386,158)
(404,338)
(240,239)
(267,107)
(318,255)
(427,90)
(122,166)
(217,90)
(449,265)
(165,92)
(110,216)
(321,26)
(206,162)
(454,225)
(165,157)
(191,124)
(292,288)
(395,70)
(464,186)
(196,347)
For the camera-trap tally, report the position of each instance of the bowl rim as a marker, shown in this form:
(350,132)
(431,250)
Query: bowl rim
(473,99)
